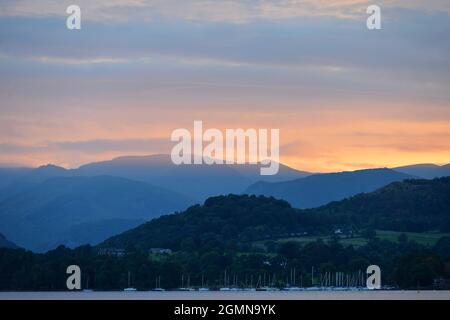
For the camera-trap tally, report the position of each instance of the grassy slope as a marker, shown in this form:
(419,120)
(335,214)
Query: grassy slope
(427,239)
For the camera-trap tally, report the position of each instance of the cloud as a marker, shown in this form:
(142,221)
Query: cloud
(411,42)
(91,146)
(170,29)
(140,67)
(11,148)
(234,11)
(126,145)
(74,61)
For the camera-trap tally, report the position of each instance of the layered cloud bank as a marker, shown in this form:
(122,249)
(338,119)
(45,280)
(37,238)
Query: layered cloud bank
(343,97)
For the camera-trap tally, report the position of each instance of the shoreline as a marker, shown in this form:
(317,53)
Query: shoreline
(217,295)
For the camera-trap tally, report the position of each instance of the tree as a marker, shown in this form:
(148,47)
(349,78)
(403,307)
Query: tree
(290,250)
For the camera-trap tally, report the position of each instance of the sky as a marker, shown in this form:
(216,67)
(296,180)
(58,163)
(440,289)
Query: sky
(344,97)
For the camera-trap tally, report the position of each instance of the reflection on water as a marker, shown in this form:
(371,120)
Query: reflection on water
(217,295)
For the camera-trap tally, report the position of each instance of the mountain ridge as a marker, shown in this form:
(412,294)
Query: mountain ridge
(42,216)
(402,206)
(319,189)
(5,243)
(425,170)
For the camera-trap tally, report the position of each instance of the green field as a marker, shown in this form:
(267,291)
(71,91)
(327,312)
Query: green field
(427,239)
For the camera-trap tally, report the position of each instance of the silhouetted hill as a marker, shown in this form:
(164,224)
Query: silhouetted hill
(5,243)
(77,210)
(320,189)
(220,219)
(426,171)
(411,205)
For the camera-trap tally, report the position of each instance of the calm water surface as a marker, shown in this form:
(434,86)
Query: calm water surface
(214,295)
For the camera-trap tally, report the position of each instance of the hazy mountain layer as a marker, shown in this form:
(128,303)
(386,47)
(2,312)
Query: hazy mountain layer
(77,210)
(426,171)
(320,189)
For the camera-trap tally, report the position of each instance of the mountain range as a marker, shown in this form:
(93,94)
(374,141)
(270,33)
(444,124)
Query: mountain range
(196,181)
(48,206)
(411,205)
(77,210)
(44,207)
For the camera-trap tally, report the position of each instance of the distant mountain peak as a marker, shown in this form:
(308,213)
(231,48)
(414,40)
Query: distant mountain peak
(50,166)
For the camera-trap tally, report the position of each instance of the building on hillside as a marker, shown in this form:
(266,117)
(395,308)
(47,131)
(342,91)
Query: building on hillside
(159,251)
(116,252)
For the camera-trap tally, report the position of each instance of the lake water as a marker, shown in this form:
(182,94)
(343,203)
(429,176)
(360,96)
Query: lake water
(215,295)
